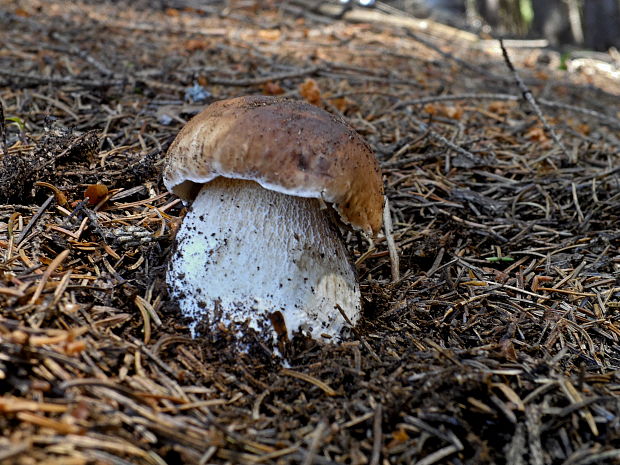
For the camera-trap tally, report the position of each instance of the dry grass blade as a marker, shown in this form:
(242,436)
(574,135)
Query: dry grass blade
(490,327)
(529,97)
(377,440)
(5,149)
(13,451)
(47,274)
(12,404)
(387,226)
(310,379)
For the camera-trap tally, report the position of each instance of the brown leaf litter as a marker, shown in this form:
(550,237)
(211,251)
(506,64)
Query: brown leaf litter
(495,342)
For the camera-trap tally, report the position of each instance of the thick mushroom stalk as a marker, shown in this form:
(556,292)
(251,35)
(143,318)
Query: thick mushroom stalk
(245,254)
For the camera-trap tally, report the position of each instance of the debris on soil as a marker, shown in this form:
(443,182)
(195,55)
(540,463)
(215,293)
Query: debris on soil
(496,341)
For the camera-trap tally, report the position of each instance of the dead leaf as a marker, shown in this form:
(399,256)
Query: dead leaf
(269,34)
(508,350)
(196,44)
(22,13)
(537,134)
(500,108)
(399,436)
(453,112)
(430,108)
(341,103)
(272,88)
(75,347)
(95,193)
(310,91)
(583,129)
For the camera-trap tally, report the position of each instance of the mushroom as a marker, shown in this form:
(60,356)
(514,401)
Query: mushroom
(268,180)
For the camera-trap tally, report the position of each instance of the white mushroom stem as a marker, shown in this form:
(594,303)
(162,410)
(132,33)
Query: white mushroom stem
(244,252)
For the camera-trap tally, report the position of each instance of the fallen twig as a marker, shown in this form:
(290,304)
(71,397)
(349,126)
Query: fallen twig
(529,97)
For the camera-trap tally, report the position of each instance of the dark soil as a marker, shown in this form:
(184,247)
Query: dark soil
(495,342)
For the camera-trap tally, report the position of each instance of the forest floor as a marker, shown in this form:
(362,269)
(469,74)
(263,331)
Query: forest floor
(497,340)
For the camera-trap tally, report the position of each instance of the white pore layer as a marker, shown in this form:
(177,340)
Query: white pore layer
(244,252)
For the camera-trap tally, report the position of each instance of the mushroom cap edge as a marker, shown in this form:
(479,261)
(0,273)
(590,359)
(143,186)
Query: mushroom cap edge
(287,146)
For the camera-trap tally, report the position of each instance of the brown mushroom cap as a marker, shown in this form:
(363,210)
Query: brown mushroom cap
(284,145)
